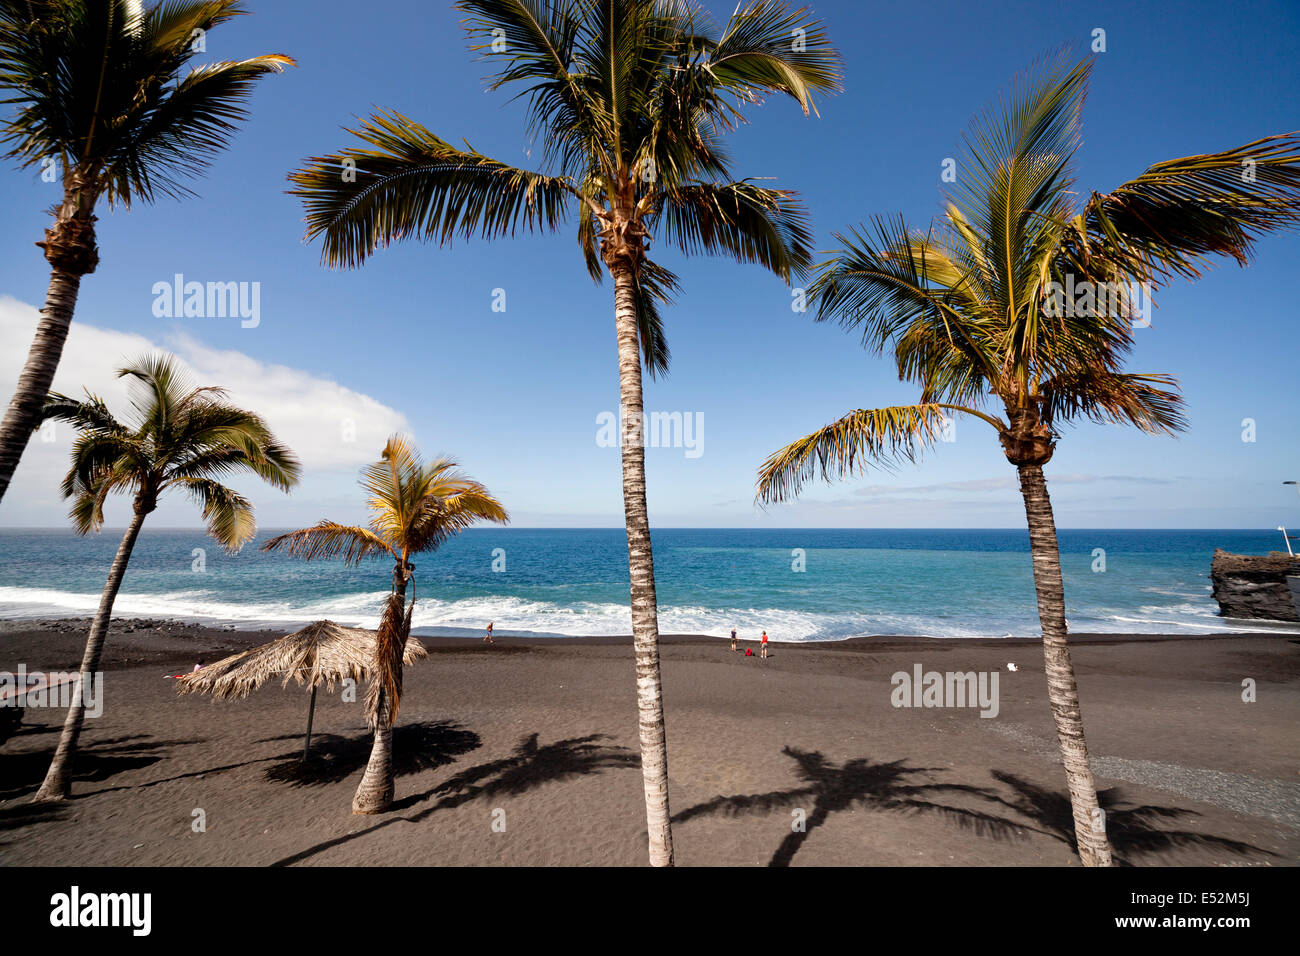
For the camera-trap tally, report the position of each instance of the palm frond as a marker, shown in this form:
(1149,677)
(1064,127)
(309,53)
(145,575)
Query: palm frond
(767,47)
(880,436)
(1146,401)
(192,123)
(539,39)
(384,695)
(228,514)
(1176,214)
(406,182)
(108,89)
(655,286)
(328,539)
(749,223)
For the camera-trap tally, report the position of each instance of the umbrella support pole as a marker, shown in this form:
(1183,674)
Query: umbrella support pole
(311,712)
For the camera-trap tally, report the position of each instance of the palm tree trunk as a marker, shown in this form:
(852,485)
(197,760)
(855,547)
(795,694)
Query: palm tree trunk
(375,793)
(24,412)
(1062,691)
(57,779)
(645,615)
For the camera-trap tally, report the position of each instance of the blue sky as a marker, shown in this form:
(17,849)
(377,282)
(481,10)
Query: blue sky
(411,341)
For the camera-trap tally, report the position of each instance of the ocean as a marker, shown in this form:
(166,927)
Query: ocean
(552,582)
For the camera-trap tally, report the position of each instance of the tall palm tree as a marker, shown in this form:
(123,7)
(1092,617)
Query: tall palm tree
(177,437)
(414,507)
(630,99)
(973,312)
(104,88)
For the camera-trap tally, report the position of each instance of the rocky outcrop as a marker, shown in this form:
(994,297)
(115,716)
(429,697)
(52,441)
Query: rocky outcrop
(1256,586)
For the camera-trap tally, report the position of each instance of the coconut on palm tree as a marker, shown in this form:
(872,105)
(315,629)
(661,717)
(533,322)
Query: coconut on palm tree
(177,437)
(104,92)
(630,99)
(974,312)
(414,507)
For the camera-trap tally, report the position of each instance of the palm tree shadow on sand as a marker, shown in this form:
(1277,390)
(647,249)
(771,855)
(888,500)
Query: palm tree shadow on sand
(98,761)
(829,788)
(417,747)
(529,765)
(1132,829)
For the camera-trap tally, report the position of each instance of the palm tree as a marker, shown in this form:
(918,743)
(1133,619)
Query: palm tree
(631,99)
(973,313)
(414,507)
(178,437)
(101,88)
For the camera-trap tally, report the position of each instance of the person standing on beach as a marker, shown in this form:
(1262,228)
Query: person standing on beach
(488,636)
(733,638)
(763,652)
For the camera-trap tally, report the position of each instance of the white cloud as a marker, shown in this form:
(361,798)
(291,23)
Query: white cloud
(309,413)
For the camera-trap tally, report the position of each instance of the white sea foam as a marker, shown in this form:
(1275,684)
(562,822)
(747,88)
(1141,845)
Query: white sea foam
(514,615)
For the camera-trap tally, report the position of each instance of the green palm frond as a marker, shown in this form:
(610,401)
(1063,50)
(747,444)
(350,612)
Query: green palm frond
(656,286)
(879,436)
(892,283)
(406,182)
(417,506)
(629,99)
(768,48)
(1148,402)
(90,413)
(95,474)
(540,37)
(177,436)
(228,514)
(97,452)
(971,309)
(214,437)
(451,505)
(1178,213)
(747,222)
(392,485)
(113,95)
(188,127)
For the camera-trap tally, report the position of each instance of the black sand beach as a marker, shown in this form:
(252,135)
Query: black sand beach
(539,736)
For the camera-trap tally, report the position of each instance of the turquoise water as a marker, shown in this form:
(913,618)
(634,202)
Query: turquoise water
(957,583)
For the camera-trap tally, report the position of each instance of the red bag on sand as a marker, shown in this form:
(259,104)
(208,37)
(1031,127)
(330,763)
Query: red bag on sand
(749,652)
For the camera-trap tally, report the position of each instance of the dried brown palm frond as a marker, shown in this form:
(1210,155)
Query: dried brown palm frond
(321,654)
(385,691)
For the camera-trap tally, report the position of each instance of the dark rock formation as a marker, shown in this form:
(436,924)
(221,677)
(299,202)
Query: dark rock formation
(1255,586)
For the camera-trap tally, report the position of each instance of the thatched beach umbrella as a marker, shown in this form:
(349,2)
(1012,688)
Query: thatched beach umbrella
(322,653)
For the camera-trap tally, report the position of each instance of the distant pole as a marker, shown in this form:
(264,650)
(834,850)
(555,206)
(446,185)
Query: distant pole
(1282,529)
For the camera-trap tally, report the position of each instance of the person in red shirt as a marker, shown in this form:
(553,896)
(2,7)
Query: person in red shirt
(763,653)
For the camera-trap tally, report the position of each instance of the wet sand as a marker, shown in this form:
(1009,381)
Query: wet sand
(540,735)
